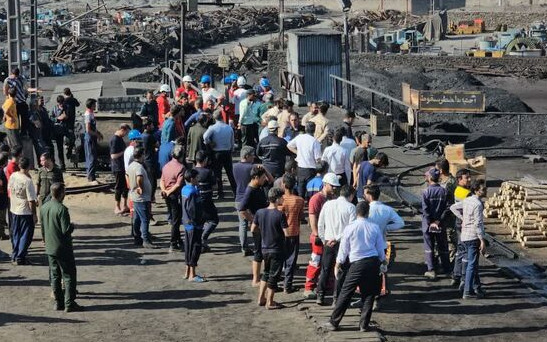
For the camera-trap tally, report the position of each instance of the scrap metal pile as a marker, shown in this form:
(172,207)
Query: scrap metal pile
(105,43)
(366,18)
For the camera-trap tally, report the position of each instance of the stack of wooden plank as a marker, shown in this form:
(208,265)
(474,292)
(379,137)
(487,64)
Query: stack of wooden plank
(522,208)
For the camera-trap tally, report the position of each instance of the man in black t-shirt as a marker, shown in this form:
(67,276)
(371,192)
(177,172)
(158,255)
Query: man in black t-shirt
(117,148)
(150,144)
(253,200)
(271,223)
(206,179)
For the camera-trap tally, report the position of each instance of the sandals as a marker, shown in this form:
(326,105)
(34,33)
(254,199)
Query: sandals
(198,279)
(276,306)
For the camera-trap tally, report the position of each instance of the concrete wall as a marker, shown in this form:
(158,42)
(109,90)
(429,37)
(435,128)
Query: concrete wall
(420,7)
(122,104)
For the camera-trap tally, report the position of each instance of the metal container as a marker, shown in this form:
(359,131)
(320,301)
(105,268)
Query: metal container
(315,54)
(487,44)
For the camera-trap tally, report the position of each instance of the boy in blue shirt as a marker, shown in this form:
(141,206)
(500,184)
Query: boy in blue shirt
(192,219)
(316,184)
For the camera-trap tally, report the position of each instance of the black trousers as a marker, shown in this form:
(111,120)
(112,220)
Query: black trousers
(273,264)
(249,135)
(364,273)
(59,135)
(303,177)
(120,187)
(327,265)
(175,209)
(257,240)
(192,246)
(22,112)
(292,248)
(223,159)
(63,267)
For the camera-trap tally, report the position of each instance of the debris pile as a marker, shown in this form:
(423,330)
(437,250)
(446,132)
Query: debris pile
(393,18)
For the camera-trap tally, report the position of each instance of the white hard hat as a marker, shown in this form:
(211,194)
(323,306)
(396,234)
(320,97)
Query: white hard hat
(273,125)
(241,81)
(165,88)
(187,78)
(331,178)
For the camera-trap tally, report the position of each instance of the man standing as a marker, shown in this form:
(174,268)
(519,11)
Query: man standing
(23,212)
(293,207)
(294,128)
(11,120)
(17,81)
(463,182)
(210,93)
(206,180)
(48,174)
(4,200)
(253,200)
(272,150)
(363,244)
(168,132)
(187,89)
(448,182)
(172,181)
(334,217)
(117,149)
(140,192)
(149,109)
(194,140)
(70,106)
(163,104)
(308,154)
(330,182)
(434,209)
(242,175)
(57,230)
(314,109)
(59,118)
(366,173)
(150,145)
(388,220)
(271,224)
(338,158)
(221,137)
(470,211)
(321,122)
(91,138)
(249,119)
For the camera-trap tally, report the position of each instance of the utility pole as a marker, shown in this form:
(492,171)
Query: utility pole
(182,26)
(281,24)
(346,52)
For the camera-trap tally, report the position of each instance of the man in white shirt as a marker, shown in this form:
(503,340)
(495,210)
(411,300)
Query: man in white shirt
(338,158)
(239,94)
(334,217)
(210,93)
(308,154)
(388,220)
(363,243)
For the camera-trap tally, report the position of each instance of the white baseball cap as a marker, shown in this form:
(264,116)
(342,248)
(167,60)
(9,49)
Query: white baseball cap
(187,78)
(273,125)
(331,178)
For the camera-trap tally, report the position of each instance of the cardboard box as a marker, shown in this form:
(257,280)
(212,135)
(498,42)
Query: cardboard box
(454,153)
(477,167)
(380,124)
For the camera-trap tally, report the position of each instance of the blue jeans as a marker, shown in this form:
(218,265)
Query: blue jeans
(90,149)
(243,227)
(472,280)
(142,218)
(22,231)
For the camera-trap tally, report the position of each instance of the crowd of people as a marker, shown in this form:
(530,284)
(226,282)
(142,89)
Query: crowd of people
(292,171)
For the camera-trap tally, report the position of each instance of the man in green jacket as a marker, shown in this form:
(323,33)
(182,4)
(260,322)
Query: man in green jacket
(57,231)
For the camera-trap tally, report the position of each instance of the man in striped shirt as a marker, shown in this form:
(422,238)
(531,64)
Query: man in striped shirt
(17,81)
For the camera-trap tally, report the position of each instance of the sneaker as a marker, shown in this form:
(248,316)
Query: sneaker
(357,304)
(469,296)
(58,306)
(455,282)
(329,326)
(247,252)
(74,308)
(320,299)
(148,245)
(431,275)
(290,289)
(480,294)
(310,294)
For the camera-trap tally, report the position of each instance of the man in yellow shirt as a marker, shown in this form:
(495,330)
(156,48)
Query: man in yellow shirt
(321,122)
(11,119)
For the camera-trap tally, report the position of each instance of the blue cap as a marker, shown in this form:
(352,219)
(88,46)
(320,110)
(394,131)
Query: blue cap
(134,135)
(228,80)
(265,82)
(205,79)
(233,77)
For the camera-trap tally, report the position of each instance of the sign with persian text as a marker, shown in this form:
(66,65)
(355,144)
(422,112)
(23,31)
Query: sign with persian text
(451,101)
